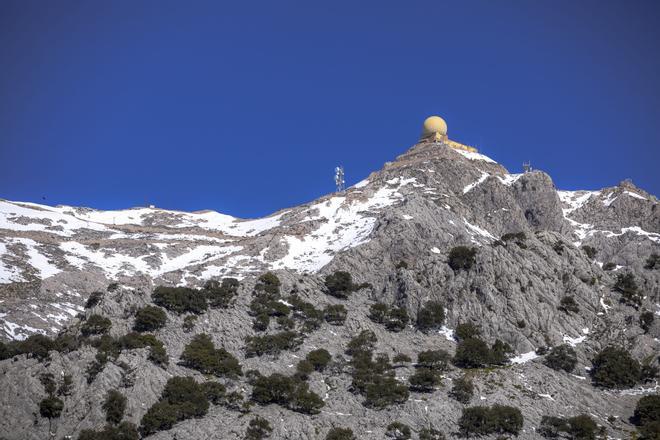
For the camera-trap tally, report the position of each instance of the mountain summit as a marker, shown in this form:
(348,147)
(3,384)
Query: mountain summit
(524,265)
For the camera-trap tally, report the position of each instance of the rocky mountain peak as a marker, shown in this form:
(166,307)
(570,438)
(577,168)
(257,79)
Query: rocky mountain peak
(529,267)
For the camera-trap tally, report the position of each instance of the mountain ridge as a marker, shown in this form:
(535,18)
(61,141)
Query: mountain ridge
(544,272)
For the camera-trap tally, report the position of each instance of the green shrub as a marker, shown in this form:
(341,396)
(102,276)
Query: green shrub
(36,346)
(269,283)
(305,401)
(646,320)
(124,431)
(182,398)
(261,322)
(149,318)
(398,431)
(180,299)
(647,410)
(335,314)
(66,386)
(303,369)
(472,353)
(648,372)
(483,420)
(462,390)
(609,266)
(374,378)
(627,286)
(364,342)
(462,258)
(276,388)
(340,434)
(437,360)
(215,392)
(48,381)
(650,431)
(401,265)
(514,236)
(340,284)
(311,317)
(394,318)
(288,392)
(614,368)
(467,330)
(500,353)
(378,312)
(201,355)
(268,304)
(397,319)
(552,427)
(401,358)
(95,325)
(258,429)
(652,262)
(51,407)
(431,434)
(589,251)
(383,391)
(189,323)
(319,358)
(580,427)
(568,305)
(66,343)
(221,294)
(114,406)
(94,299)
(131,341)
(562,357)
(424,380)
(285,323)
(160,416)
(272,344)
(5,351)
(431,316)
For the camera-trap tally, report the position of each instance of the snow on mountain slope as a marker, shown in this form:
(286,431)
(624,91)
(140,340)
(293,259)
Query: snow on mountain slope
(605,213)
(60,253)
(18,216)
(210,220)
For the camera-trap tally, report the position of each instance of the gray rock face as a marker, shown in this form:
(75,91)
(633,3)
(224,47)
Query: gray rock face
(414,210)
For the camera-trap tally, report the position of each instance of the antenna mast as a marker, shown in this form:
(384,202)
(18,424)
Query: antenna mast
(339,178)
(527,167)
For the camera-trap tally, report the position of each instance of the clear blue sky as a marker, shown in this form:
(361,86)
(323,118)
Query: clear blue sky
(246,107)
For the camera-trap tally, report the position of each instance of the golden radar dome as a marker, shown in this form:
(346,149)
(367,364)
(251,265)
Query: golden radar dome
(434,125)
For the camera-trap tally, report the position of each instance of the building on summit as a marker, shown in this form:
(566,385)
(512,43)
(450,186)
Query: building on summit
(435,130)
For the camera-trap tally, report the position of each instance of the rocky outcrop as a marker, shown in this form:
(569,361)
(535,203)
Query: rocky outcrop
(394,231)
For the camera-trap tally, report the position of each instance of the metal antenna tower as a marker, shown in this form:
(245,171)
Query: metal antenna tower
(339,178)
(527,167)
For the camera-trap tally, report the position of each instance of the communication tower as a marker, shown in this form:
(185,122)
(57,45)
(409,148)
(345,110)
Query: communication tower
(339,178)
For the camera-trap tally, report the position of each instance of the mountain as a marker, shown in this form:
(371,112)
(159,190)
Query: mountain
(526,264)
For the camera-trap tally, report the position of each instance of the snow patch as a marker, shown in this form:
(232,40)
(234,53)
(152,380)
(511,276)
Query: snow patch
(474,156)
(634,195)
(474,229)
(573,341)
(448,333)
(524,357)
(479,181)
(509,179)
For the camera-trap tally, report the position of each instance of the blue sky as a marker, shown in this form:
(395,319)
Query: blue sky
(246,107)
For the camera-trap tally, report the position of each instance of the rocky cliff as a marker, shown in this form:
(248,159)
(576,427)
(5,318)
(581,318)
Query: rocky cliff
(534,246)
